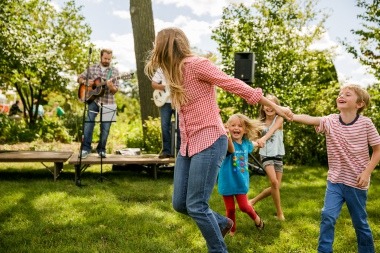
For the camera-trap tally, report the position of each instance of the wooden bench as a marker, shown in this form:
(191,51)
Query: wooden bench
(151,161)
(56,157)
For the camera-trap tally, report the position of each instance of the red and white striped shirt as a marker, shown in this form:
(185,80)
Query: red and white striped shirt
(199,121)
(347,147)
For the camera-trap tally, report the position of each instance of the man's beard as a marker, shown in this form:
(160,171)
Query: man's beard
(105,64)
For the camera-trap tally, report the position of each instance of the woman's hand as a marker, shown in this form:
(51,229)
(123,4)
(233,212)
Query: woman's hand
(284,112)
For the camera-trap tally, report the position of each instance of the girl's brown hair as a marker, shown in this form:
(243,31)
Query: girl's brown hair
(170,49)
(272,98)
(253,127)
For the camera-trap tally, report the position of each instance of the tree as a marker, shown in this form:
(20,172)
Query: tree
(40,48)
(368,52)
(143,34)
(280,33)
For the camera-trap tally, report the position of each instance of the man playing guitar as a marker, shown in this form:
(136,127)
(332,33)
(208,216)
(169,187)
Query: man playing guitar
(161,98)
(110,74)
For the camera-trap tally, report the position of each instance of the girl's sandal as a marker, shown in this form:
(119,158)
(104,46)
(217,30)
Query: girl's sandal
(261,225)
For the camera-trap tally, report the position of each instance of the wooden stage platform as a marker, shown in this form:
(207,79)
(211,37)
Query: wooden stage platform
(56,157)
(151,161)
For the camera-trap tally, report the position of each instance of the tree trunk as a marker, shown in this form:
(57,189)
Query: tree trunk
(143,34)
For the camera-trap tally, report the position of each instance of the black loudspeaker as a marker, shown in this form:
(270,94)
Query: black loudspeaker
(244,66)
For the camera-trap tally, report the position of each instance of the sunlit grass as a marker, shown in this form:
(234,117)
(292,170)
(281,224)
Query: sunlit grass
(131,212)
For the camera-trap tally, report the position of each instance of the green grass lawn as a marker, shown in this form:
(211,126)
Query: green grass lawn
(131,212)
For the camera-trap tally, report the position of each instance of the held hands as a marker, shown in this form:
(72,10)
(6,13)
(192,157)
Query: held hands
(284,112)
(261,142)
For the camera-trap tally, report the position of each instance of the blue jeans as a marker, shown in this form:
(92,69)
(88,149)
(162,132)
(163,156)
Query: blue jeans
(166,112)
(336,195)
(194,181)
(93,110)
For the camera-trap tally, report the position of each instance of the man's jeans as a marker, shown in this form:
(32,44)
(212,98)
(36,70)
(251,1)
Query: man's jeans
(194,181)
(336,195)
(93,110)
(166,112)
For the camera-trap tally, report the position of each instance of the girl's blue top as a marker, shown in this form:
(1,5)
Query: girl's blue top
(234,175)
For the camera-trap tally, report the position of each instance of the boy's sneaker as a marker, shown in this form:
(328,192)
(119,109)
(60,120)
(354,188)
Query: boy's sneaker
(102,154)
(83,154)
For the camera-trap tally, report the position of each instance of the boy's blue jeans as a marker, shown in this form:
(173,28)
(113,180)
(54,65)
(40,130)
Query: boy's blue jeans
(194,181)
(356,200)
(93,110)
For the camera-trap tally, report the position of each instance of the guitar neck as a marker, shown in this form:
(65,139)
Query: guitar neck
(99,81)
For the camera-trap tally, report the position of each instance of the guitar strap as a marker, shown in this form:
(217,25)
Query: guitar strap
(109,74)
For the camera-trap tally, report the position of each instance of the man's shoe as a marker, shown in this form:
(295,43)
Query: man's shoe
(83,154)
(228,227)
(102,154)
(163,155)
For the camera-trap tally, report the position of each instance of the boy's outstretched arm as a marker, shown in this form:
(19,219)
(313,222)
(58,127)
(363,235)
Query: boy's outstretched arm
(306,119)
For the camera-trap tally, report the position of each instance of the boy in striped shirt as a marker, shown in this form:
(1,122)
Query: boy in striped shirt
(348,137)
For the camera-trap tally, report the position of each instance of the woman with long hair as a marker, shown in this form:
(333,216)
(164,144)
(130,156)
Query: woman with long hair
(192,82)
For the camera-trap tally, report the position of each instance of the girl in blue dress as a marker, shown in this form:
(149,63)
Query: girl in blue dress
(233,179)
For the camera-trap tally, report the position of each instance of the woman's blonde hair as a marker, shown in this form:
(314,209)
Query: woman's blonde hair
(170,49)
(272,98)
(253,127)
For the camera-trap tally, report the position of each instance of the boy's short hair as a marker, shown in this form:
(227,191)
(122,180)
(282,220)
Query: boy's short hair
(362,94)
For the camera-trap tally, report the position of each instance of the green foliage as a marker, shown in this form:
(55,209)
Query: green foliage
(41,49)
(52,129)
(280,35)
(368,37)
(134,137)
(13,131)
(373,111)
(48,130)
(153,129)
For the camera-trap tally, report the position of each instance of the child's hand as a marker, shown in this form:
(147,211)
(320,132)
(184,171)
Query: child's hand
(284,112)
(261,143)
(363,179)
(227,131)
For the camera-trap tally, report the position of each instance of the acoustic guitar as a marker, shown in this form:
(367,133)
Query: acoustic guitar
(97,89)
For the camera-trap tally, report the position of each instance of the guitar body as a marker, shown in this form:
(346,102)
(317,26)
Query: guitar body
(90,93)
(160,97)
(93,91)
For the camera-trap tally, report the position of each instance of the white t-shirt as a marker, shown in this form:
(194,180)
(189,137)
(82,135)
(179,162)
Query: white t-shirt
(160,78)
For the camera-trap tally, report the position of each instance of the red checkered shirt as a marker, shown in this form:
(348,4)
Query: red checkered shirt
(95,72)
(199,121)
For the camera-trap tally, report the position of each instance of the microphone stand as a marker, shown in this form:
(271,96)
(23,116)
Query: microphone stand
(79,168)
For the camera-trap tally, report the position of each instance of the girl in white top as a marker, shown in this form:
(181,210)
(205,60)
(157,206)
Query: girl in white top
(271,153)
